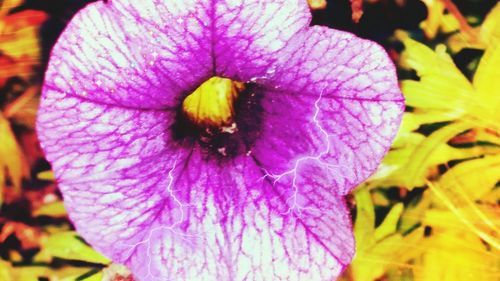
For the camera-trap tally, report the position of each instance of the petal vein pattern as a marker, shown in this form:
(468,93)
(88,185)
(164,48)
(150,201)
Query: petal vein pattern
(329,106)
(343,92)
(182,42)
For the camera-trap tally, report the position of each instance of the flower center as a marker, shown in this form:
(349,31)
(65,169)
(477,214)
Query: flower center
(223,116)
(211,105)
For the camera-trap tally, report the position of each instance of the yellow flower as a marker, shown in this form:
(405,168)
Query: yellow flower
(459,208)
(19,55)
(443,94)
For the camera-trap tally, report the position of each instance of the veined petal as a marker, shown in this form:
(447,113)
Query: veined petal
(111,165)
(337,64)
(151,54)
(343,92)
(168,208)
(178,216)
(249,33)
(116,54)
(170,213)
(235,226)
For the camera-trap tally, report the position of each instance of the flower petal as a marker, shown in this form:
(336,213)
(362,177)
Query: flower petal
(131,55)
(334,103)
(236,227)
(151,54)
(110,164)
(248,34)
(169,211)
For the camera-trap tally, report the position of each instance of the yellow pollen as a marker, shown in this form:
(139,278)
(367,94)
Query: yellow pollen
(212,103)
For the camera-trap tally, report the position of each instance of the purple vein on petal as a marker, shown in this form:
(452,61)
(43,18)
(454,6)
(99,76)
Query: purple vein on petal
(319,111)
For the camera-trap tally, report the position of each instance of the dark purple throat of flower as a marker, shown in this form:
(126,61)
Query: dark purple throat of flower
(222,115)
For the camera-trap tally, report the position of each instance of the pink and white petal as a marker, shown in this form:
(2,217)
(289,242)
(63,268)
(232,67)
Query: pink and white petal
(248,34)
(343,92)
(151,54)
(132,53)
(336,63)
(170,213)
(236,226)
(111,164)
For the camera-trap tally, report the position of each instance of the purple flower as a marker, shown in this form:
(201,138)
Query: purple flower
(255,194)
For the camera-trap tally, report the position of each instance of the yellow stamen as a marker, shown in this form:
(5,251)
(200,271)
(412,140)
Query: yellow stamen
(212,103)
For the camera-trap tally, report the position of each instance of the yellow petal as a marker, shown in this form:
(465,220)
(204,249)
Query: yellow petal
(469,215)
(472,178)
(11,156)
(7,5)
(414,212)
(449,23)
(5,270)
(54,209)
(393,251)
(46,175)
(390,223)
(490,32)
(460,40)
(456,256)
(67,245)
(435,11)
(364,227)
(419,159)
(441,87)
(486,79)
